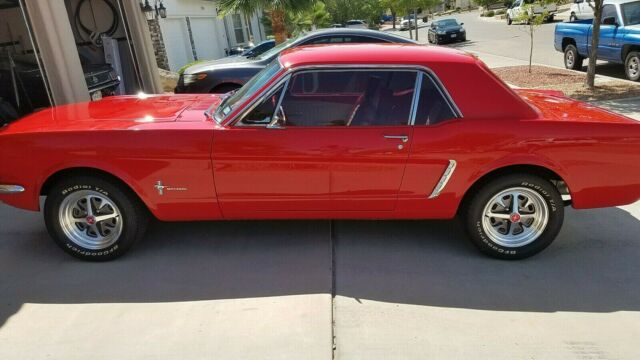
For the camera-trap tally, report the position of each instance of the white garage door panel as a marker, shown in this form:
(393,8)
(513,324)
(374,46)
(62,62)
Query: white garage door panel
(205,38)
(176,42)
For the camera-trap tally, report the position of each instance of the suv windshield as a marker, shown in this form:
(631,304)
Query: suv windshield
(240,96)
(631,13)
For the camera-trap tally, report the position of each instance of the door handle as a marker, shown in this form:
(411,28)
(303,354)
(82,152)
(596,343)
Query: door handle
(404,138)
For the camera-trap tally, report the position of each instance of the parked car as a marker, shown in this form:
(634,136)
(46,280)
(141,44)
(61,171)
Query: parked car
(549,9)
(259,49)
(619,37)
(405,24)
(228,74)
(580,10)
(356,24)
(367,131)
(446,30)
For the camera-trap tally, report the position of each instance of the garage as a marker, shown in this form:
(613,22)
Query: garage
(59,52)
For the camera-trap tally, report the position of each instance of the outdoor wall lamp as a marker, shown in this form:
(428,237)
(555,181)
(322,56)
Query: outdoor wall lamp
(147,9)
(155,11)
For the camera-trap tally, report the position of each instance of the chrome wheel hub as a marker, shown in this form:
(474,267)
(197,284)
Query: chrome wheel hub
(515,217)
(90,220)
(570,58)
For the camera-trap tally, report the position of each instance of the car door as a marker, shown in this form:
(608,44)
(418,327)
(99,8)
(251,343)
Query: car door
(363,116)
(259,170)
(609,46)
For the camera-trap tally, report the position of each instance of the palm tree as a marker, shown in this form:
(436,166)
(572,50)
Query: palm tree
(276,9)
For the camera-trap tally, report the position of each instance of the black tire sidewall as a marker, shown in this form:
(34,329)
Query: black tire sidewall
(626,66)
(131,214)
(475,215)
(576,57)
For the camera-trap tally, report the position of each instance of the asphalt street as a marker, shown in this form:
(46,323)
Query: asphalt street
(495,37)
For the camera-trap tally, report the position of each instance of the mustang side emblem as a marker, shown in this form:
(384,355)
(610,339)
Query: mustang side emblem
(161,188)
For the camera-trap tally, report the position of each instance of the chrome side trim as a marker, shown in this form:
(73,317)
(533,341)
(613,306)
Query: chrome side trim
(448,172)
(11,189)
(416,98)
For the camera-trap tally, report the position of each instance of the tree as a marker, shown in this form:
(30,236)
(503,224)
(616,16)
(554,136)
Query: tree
(596,5)
(393,6)
(309,19)
(533,21)
(344,10)
(276,9)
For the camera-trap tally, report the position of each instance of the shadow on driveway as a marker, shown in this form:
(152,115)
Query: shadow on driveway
(592,267)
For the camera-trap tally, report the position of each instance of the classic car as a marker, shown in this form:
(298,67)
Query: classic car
(366,131)
(228,74)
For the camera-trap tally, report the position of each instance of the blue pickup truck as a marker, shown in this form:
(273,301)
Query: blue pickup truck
(619,37)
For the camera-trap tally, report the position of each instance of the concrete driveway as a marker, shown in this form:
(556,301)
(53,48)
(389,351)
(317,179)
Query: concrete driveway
(283,289)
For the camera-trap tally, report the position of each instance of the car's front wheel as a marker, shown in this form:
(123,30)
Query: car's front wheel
(93,218)
(509,21)
(573,17)
(514,217)
(632,66)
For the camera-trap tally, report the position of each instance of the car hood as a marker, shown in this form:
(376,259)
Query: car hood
(117,112)
(553,105)
(231,61)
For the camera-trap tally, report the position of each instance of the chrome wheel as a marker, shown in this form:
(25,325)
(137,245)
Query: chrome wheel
(633,67)
(90,219)
(569,59)
(515,217)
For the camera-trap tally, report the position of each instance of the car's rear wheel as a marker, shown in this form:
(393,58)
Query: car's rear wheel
(572,59)
(632,66)
(514,217)
(509,21)
(94,219)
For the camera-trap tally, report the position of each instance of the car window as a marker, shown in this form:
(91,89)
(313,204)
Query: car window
(631,13)
(609,11)
(349,98)
(432,107)
(263,112)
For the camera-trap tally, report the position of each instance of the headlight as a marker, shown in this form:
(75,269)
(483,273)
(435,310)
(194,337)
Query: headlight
(191,78)
(441,32)
(462,30)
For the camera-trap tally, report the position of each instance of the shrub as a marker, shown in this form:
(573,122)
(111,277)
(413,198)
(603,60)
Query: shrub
(490,13)
(500,11)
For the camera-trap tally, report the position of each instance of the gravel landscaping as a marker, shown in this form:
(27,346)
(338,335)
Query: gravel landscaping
(569,82)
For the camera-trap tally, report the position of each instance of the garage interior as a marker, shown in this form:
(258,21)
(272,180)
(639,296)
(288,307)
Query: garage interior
(53,53)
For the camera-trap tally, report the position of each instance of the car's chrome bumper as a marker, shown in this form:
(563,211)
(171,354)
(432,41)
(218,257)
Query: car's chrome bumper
(11,189)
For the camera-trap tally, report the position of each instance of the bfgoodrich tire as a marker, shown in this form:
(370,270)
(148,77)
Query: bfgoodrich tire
(510,229)
(94,219)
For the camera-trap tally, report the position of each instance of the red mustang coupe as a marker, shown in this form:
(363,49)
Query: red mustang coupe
(344,132)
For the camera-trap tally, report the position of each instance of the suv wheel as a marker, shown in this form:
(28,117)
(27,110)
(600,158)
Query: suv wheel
(515,217)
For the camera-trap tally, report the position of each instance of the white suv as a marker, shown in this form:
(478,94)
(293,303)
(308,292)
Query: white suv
(356,24)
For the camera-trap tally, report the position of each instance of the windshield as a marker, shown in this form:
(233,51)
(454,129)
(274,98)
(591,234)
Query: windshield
(276,50)
(444,23)
(631,13)
(253,85)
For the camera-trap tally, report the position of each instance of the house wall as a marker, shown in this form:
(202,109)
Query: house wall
(193,31)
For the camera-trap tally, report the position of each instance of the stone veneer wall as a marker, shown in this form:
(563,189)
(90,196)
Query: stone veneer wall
(158,44)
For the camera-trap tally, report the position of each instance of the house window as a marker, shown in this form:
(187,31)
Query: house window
(238,28)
